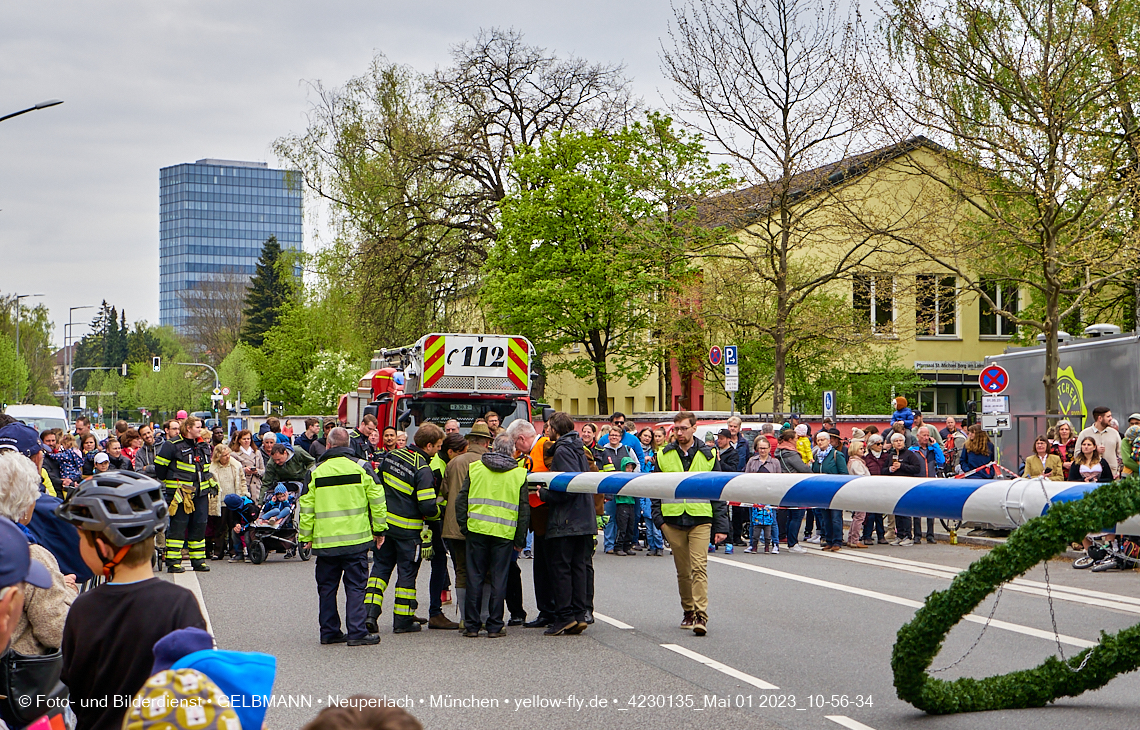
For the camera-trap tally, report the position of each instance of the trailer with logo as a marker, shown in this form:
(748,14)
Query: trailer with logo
(1095,370)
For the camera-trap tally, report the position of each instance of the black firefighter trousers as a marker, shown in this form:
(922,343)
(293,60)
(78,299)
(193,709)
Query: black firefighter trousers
(403,554)
(352,569)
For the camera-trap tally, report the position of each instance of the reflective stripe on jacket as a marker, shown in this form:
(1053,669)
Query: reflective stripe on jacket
(343,509)
(409,490)
(670,461)
(493,500)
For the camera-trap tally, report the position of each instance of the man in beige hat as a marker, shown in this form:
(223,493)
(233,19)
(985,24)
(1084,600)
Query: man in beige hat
(479,439)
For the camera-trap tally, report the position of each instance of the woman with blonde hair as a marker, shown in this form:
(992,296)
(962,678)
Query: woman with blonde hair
(857,464)
(229,475)
(251,460)
(39,629)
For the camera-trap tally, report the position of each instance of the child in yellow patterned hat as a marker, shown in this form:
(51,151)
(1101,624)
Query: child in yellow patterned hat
(181,699)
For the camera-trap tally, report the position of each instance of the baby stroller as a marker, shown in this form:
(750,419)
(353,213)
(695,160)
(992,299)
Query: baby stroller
(1109,552)
(278,535)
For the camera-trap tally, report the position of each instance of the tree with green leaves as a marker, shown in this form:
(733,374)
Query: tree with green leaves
(238,373)
(333,374)
(1024,96)
(36,349)
(776,85)
(269,290)
(588,241)
(13,372)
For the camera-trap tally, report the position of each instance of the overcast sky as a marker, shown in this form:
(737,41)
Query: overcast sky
(149,84)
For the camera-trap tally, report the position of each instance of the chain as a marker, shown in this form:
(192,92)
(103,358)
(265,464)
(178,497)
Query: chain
(1049,596)
(985,626)
(1052,615)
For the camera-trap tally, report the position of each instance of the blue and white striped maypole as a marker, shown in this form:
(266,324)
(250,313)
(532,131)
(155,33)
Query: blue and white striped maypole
(999,502)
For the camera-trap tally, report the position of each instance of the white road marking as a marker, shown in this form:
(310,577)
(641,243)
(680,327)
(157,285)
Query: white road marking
(612,621)
(847,722)
(189,581)
(1099,599)
(973,618)
(723,668)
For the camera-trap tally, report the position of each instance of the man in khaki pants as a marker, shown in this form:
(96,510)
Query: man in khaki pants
(688,523)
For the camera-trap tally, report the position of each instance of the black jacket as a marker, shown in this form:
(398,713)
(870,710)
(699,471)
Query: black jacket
(52,469)
(570,514)
(730,459)
(1074,472)
(910,464)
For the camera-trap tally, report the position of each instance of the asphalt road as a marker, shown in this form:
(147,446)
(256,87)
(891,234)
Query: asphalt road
(785,630)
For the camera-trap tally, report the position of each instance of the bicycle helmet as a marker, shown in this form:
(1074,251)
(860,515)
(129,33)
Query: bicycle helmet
(125,507)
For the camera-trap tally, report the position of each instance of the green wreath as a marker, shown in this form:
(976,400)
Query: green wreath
(1038,539)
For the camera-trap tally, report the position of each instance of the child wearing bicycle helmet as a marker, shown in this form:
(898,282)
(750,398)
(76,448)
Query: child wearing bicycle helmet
(109,637)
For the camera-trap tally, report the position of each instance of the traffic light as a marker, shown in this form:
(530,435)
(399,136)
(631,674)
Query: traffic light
(156,363)
(971,413)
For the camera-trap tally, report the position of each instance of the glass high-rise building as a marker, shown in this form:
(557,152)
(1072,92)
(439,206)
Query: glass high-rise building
(214,217)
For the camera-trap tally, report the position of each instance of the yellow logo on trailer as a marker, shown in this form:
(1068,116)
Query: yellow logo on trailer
(1071,394)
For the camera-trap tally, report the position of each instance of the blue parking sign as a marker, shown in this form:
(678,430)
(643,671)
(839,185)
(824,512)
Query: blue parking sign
(730,355)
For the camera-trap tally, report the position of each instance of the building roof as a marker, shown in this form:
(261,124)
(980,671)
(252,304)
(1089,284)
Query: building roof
(743,207)
(230,163)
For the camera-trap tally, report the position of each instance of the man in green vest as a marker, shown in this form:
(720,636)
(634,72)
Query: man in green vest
(493,511)
(689,523)
(341,516)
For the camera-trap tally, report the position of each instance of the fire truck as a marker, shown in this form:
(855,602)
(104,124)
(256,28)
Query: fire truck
(444,376)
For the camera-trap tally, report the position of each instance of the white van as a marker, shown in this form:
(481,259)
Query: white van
(40,418)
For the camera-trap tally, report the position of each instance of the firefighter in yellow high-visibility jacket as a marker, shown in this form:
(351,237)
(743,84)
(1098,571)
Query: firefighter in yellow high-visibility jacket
(342,515)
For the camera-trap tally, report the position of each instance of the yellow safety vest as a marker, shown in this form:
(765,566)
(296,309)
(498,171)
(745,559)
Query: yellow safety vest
(670,460)
(344,506)
(493,500)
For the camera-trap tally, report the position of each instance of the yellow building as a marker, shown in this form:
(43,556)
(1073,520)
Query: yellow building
(904,299)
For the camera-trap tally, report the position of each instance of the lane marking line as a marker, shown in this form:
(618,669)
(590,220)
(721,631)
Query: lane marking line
(847,722)
(723,668)
(612,621)
(973,618)
(189,581)
(1019,585)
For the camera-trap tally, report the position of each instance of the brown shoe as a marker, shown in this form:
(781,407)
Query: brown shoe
(687,621)
(420,621)
(700,624)
(442,622)
(857,545)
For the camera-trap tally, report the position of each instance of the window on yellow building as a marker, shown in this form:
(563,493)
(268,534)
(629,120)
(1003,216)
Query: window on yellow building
(873,301)
(990,324)
(936,305)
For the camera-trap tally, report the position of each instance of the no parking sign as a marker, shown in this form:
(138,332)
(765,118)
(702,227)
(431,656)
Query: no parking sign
(993,379)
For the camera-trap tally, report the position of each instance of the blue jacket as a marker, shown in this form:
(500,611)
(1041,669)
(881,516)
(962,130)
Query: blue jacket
(906,415)
(930,470)
(971,461)
(742,452)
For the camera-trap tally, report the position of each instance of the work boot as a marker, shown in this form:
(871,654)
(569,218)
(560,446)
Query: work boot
(700,623)
(410,627)
(687,621)
(200,566)
(439,621)
(371,621)
(175,568)
(370,640)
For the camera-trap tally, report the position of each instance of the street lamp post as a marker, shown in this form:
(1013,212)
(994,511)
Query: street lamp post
(37,107)
(68,354)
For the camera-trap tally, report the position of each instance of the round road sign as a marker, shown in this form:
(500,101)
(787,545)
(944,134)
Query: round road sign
(714,355)
(993,379)
(225,391)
